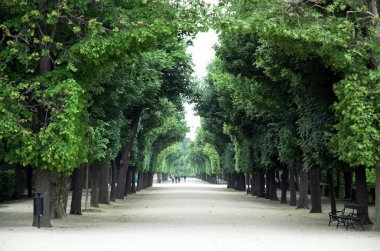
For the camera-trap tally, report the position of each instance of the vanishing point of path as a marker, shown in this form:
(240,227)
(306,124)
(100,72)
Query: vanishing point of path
(186,216)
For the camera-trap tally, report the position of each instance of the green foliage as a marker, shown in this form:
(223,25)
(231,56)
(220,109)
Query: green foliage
(73,72)
(335,39)
(358,133)
(60,144)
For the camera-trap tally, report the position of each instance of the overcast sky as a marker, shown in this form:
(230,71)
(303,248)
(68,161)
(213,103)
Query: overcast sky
(202,54)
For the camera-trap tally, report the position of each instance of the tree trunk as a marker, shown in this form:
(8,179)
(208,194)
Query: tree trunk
(144,183)
(362,192)
(261,186)
(229,182)
(247,181)
(348,184)
(267,178)
(330,183)
(339,186)
(128,185)
(302,200)
(29,181)
(43,187)
(151,175)
(254,188)
(284,184)
(18,185)
(139,181)
(271,181)
(94,185)
(372,7)
(376,225)
(76,198)
(43,176)
(113,181)
(242,186)
(126,154)
(292,186)
(146,180)
(59,192)
(133,182)
(103,183)
(86,185)
(315,187)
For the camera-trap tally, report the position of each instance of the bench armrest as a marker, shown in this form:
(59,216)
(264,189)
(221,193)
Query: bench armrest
(336,213)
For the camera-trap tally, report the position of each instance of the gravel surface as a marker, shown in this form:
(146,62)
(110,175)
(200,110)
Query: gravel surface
(186,216)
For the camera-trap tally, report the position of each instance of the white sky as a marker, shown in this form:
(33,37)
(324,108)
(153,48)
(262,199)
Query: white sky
(202,54)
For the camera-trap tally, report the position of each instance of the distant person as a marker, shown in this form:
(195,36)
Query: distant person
(184,178)
(172,178)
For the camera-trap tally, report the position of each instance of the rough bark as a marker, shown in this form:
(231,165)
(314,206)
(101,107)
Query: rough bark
(302,200)
(94,170)
(43,187)
(126,154)
(362,192)
(376,225)
(330,183)
(113,181)
(103,183)
(284,184)
(315,187)
(292,186)
(59,192)
(372,7)
(76,198)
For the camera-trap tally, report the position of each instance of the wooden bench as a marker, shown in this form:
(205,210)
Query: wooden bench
(350,215)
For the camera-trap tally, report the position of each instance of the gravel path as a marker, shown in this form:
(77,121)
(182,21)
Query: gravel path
(186,216)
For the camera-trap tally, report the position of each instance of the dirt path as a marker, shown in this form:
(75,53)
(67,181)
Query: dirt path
(191,216)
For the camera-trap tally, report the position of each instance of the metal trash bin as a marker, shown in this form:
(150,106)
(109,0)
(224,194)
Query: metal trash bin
(38,206)
(236,184)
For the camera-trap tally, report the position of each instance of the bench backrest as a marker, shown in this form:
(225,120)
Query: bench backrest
(356,209)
